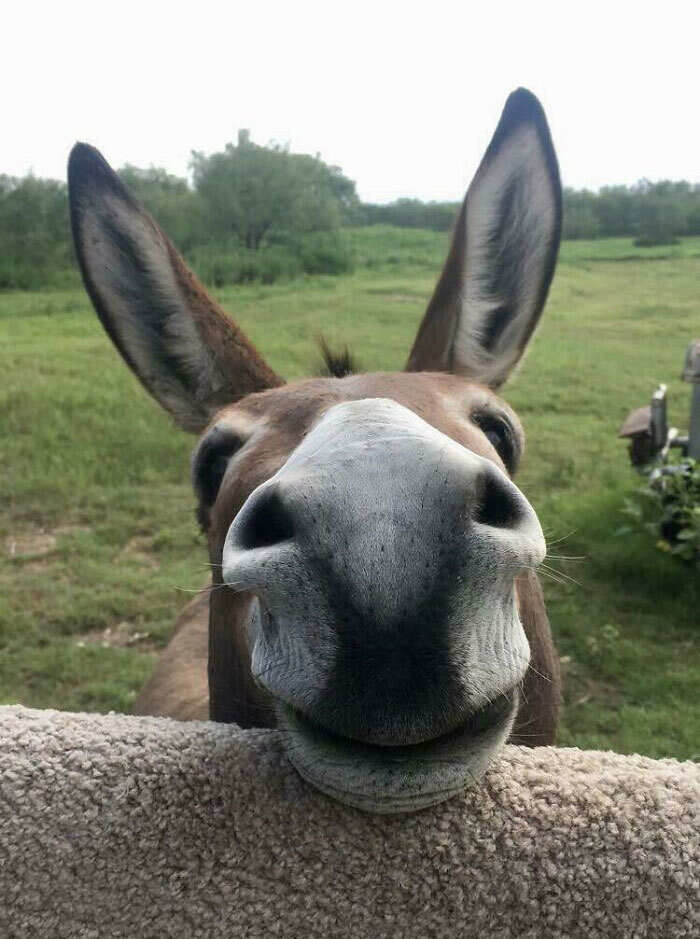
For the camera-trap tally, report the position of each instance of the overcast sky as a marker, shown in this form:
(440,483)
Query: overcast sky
(403,96)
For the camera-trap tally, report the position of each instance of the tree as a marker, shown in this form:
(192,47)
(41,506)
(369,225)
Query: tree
(580,217)
(261,194)
(412,213)
(171,201)
(660,219)
(34,230)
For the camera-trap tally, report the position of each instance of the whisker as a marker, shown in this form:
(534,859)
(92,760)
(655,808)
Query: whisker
(210,588)
(563,537)
(566,577)
(550,575)
(544,677)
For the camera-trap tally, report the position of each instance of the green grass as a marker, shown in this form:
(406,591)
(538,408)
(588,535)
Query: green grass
(97,529)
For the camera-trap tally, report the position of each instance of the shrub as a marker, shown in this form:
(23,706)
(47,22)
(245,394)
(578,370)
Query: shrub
(225,265)
(661,219)
(325,254)
(668,507)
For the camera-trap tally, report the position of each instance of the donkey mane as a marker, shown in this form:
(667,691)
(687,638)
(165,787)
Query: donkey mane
(337,363)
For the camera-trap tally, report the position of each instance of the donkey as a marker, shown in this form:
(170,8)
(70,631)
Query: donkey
(374,589)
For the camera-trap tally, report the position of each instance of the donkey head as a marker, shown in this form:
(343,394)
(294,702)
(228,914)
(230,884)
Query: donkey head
(381,605)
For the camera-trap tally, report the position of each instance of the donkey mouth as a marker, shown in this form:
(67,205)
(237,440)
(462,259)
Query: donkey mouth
(403,777)
(477,722)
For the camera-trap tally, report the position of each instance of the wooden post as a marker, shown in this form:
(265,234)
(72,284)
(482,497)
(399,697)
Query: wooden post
(659,422)
(691,373)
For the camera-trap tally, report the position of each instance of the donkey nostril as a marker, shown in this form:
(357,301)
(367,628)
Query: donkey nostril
(498,503)
(268,523)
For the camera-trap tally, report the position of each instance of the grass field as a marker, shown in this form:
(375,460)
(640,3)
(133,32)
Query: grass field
(97,531)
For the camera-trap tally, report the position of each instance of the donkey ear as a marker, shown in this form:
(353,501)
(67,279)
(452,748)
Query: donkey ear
(491,292)
(179,343)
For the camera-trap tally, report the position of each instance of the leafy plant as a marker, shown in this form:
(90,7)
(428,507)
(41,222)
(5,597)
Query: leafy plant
(602,646)
(668,507)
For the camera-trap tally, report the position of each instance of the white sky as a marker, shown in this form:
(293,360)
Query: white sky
(403,96)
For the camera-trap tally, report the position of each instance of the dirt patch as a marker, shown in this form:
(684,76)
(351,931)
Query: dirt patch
(71,530)
(37,542)
(139,551)
(38,565)
(29,544)
(123,635)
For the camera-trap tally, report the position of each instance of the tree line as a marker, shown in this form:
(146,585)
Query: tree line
(651,213)
(262,213)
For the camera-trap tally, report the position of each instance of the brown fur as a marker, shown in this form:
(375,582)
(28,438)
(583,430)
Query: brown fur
(226,340)
(178,684)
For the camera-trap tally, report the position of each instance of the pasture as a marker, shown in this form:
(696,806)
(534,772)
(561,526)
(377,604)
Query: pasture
(100,547)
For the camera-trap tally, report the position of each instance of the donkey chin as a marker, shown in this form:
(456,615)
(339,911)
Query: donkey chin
(388,780)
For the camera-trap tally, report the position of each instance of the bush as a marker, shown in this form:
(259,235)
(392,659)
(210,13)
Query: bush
(668,507)
(288,257)
(325,254)
(661,219)
(224,265)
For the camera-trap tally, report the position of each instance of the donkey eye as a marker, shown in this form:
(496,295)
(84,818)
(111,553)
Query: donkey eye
(495,437)
(501,436)
(211,460)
